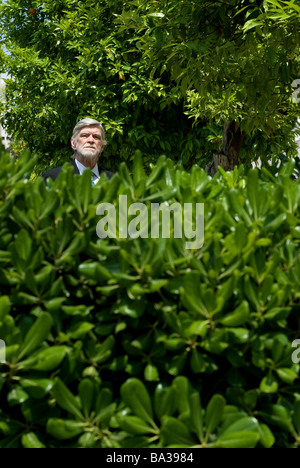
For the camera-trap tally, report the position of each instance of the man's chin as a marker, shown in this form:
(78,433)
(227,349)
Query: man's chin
(89,155)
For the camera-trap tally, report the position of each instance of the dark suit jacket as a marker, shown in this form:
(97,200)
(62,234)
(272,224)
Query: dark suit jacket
(54,173)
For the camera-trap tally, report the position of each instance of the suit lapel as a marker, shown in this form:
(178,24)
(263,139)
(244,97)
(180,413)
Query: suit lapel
(76,170)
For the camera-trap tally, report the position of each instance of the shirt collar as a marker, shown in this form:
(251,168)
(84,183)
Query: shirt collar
(82,168)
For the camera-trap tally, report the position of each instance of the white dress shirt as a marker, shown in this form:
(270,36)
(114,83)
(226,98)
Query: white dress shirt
(95,171)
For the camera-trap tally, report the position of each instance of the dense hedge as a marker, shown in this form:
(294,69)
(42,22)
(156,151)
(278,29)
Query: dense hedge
(141,342)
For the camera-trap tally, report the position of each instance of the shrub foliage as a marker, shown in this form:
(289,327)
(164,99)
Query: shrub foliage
(141,342)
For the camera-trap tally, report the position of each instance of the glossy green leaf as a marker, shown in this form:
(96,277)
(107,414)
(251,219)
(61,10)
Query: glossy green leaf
(250,398)
(87,440)
(134,425)
(76,245)
(36,387)
(246,424)
(63,429)
(267,438)
(86,394)
(196,415)
(175,432)
(199,327)
(30,440)
(66,399)
(22,245)
(269,384)
(17,396)
(135,395)
(164,401)
(176,366)
(37,334)
(197,362)
(237,317)
(104,399)
(105,350)
(214,413)
(79,330)
(182,388)
(238,440)
(4,307)
(287,375)
(276,223)
(138,169)
(277,415)
(50,358)
(157,171)
(94,271)
(191,294)
(151,373)
(105,414)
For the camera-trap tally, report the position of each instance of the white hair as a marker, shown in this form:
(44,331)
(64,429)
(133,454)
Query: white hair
(88,123)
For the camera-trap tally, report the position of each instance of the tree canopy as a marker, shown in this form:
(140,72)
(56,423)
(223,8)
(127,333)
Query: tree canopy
(68,60)
(234,60)
(161,76)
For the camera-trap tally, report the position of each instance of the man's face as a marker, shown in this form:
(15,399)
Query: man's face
(88,144)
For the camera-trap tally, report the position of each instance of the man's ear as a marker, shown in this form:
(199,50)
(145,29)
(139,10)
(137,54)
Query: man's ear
(73,144)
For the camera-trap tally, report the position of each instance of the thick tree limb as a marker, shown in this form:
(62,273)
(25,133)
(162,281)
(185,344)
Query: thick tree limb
(230,149)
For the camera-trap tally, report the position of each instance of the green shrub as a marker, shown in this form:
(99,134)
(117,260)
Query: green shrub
(141,342)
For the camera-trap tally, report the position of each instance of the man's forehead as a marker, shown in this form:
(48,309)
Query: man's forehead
(90,130)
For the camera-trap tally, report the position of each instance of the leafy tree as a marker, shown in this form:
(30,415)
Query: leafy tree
(155,73)
(235,62)
(68,60)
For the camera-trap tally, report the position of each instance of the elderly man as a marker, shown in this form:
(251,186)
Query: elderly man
(88,141)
